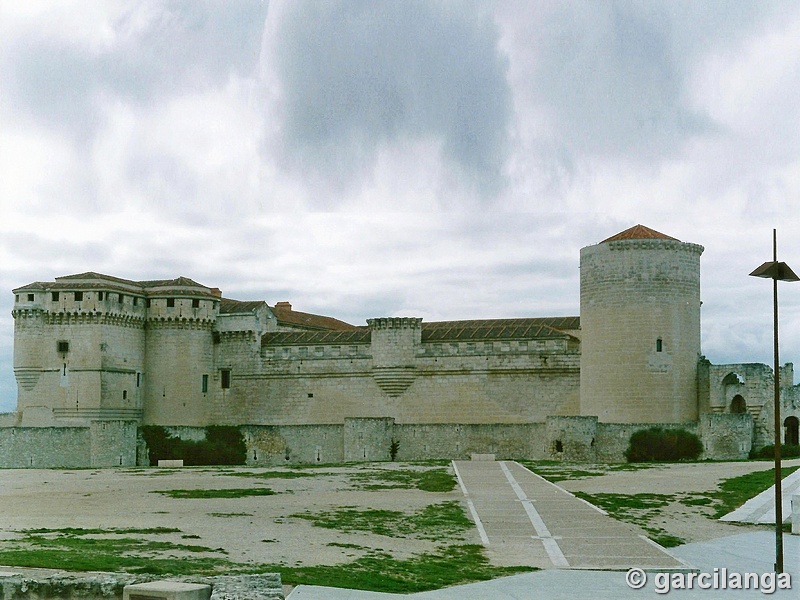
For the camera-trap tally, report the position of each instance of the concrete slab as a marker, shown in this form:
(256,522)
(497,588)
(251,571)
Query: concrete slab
(526,520)
(761,508)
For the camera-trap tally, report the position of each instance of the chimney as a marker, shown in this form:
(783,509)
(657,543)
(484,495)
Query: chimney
(283,305)
(216,292)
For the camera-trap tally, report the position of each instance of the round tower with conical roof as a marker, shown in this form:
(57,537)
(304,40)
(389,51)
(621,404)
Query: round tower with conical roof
(640,328)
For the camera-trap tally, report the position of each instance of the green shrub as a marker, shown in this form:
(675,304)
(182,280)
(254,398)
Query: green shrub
(224,445)
(659,444)
(787,451)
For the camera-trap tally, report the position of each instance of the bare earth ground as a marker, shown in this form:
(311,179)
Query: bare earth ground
(260,529)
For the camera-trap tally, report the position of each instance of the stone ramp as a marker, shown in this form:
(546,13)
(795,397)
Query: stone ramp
(761,508)
(524,519)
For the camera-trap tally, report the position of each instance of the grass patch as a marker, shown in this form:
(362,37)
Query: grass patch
(445,520)
(379,572)
(229,515)
(433,480)
(736,491)
(376,571)
(639,509)
(271,474)
(556,471)
(79,531)
(80,550)
(223,493)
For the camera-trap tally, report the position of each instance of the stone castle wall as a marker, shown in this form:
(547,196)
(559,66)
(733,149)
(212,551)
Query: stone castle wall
(488,382)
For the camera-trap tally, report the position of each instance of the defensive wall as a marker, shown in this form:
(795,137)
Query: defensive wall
(569,439)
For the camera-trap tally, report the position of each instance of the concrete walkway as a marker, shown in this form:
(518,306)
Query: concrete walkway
(584,554)
(761,508)
(748,552)
(524,519)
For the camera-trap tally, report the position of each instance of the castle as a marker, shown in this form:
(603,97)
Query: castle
(97,356)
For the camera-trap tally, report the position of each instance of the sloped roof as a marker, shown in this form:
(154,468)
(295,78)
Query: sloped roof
(228,306)
(93,280)
(293,318)
(358,335)
(639,232)
(500,329)
(440,331)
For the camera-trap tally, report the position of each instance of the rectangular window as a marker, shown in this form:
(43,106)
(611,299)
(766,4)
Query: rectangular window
(99,295)
(659,345)
(204,386)
(170,302)
(135,301)
(63,346)
(78,296)
(124,394)
(195,303)
(138,379)
(226,379)
(55,296)
(30,297)
(147,303)
(16,297)
(120,297)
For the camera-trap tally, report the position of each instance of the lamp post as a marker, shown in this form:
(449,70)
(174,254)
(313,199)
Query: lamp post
(777,271)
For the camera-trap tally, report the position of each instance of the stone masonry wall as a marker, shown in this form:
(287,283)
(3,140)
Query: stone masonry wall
(44,447)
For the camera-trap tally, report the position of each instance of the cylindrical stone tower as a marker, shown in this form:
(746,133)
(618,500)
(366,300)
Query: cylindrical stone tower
(640,328)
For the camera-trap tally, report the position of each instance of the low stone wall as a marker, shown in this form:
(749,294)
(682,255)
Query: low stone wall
(567,439)
(101,444)
(38,584)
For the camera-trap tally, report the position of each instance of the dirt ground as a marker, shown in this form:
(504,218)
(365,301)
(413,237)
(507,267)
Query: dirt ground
(261,529)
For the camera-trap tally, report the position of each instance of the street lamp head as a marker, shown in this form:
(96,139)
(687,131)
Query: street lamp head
(779,271)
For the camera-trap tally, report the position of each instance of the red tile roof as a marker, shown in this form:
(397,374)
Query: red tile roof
(639,232)
(292,318)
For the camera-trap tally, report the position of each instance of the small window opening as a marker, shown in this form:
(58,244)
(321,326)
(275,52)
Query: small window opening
(135,301)
(195,303)
(138,379)
(99,295)
(310,395)
(559,446)
(78,296)
(147,303)
(204,385)
(659,345)
(55,296)
(226,379)
(30,297)
(63,346)
(124,394)
(170,302)
(120,298)
(16,297)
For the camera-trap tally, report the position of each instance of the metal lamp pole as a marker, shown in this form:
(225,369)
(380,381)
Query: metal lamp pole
(777,271)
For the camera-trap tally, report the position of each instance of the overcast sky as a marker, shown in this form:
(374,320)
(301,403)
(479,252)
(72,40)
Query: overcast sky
(445,160)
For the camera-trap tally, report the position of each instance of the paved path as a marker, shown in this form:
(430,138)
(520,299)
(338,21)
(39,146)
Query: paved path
(526,520)
(743,553)
(761,508)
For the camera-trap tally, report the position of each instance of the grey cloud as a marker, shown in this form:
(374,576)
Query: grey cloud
(610,75)
(358,74)
(189,45)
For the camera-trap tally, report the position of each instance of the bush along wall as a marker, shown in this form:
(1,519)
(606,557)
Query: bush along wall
(663,445)
(224,445)
(787,451)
